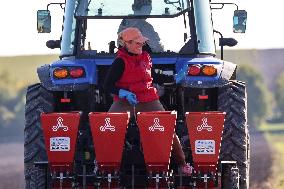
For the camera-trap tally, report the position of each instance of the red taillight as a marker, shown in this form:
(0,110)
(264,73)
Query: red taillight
(194,70)
(76,72)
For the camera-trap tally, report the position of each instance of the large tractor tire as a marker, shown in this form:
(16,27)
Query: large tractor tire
(38,100)
(232,99)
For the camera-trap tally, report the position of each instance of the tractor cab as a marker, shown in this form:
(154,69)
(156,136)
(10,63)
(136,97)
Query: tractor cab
(90,27)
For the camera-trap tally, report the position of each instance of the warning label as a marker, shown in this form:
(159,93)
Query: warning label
(60,144)
(204,147)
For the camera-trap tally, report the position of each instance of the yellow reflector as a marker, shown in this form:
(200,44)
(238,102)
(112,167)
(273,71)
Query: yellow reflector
(209,70)
(60,73)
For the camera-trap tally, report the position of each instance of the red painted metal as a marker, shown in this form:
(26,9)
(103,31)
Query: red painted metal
(203,97)
(108,131)
(60,134)
(205,132)
(65,100)
(156,132)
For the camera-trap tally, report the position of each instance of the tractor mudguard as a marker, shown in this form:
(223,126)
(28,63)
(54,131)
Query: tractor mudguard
(229,69)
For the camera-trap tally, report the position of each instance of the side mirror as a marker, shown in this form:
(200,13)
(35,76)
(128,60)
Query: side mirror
(43,21)
(240,20)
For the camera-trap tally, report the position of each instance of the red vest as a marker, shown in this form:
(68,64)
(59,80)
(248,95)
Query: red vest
(137,76)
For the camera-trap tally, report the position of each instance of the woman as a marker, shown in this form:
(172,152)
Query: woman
(129,80)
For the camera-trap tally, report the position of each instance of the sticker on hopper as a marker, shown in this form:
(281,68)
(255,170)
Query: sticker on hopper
(60,144)
(204,147)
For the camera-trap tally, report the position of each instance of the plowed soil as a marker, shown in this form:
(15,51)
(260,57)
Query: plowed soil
(11,166)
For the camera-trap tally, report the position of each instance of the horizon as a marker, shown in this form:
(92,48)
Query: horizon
(217,50)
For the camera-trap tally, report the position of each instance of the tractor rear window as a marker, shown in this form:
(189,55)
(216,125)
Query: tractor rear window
(163,34)
(131,7)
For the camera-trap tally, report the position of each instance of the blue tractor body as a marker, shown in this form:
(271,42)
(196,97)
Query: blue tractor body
(90,67)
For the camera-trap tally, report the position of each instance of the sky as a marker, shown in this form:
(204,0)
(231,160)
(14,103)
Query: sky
(265,26)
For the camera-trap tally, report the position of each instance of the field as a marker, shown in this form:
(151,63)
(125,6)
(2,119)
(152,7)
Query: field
(274,133)
(11,165)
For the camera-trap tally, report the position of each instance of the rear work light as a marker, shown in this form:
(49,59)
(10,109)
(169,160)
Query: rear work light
(193,70)
(76,72)
(209,70)
(60,73)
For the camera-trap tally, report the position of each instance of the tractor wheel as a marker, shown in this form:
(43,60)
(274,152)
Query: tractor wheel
(232,99)
(38,100)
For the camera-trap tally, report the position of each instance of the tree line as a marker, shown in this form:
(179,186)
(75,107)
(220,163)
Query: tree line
(12,101)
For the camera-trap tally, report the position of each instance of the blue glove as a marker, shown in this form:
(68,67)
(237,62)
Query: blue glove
(131,97)
(181,75)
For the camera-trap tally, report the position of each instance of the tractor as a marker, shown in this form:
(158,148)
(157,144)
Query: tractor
(71,141)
